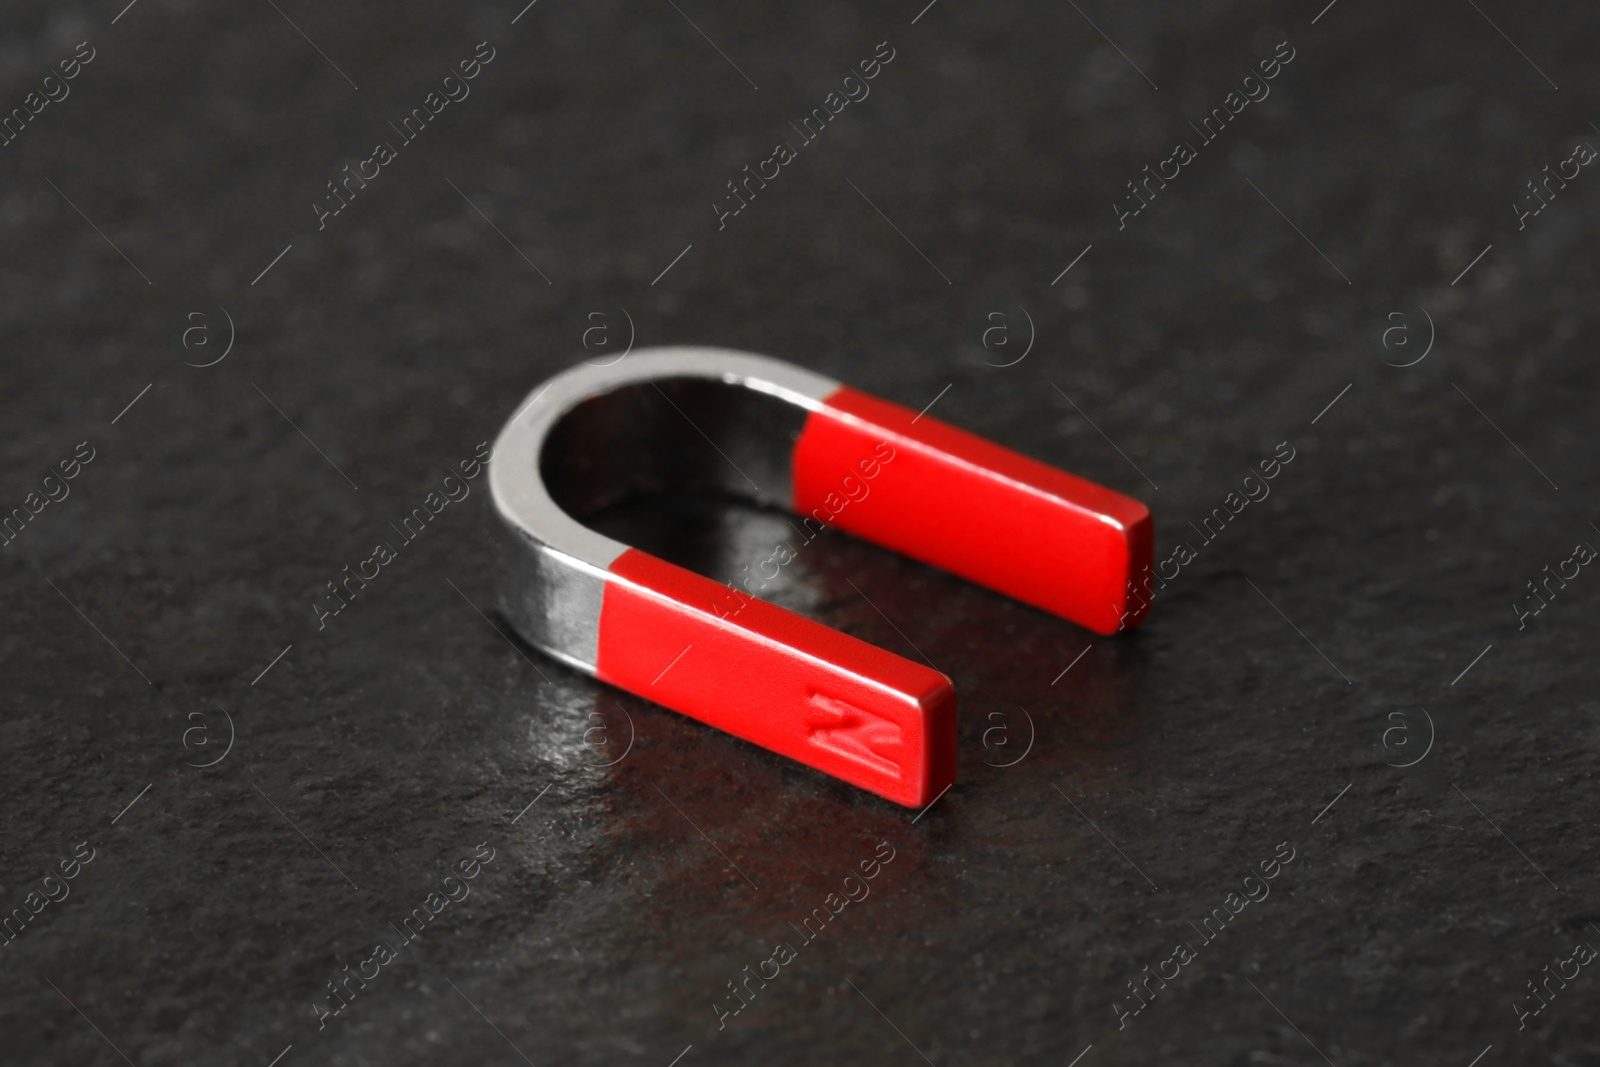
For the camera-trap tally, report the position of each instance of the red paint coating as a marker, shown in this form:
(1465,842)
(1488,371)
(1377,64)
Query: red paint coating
(973,508)
(801,689)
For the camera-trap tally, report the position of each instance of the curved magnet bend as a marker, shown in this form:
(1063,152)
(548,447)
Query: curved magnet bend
(781,435)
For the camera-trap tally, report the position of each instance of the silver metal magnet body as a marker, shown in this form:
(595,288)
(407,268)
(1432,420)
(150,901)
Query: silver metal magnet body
(593,436)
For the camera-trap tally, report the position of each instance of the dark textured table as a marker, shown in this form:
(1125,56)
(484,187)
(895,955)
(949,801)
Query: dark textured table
(215,810)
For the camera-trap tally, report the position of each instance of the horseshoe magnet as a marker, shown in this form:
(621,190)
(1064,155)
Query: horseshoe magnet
(784,436)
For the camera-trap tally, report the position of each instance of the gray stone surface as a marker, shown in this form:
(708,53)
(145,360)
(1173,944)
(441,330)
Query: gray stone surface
(378,752)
